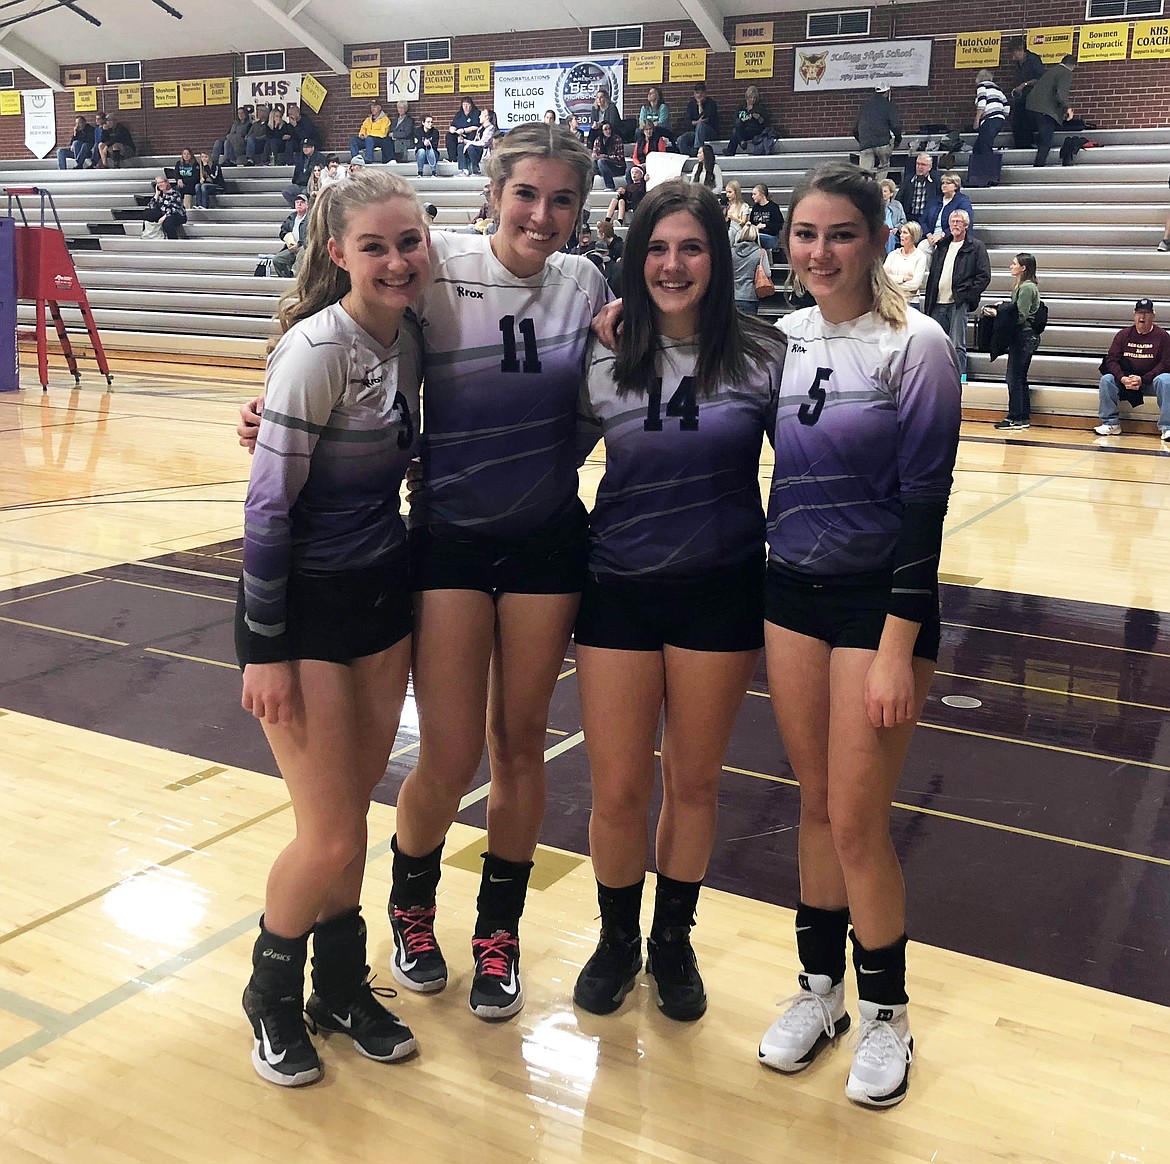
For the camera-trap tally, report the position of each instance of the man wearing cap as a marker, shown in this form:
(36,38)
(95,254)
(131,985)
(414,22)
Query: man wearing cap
(308,161)
(1138,360)
(375,132)
(293,231)
(876,126)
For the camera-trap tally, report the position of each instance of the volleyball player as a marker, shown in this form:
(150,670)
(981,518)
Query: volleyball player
(498,537)
(324,617)
(866,435)
(671,617)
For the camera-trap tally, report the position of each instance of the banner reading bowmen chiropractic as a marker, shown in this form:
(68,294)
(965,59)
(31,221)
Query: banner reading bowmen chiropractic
(1151,40)
(977,50)
(1050,44)
(862,65)
(525,89)
(1103,42)
(755,60)
(275,90)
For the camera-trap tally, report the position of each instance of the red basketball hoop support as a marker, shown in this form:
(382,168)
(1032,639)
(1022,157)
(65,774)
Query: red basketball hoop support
(45,274)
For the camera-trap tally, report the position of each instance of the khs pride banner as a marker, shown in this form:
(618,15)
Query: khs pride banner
(525,89)
(275,90)
(862,65)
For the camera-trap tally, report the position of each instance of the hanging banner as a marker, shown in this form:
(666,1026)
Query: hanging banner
(313,93)
(404,83)
(525,89)
(758,32)
(129,96)
(688,65)
(977,50)
(218,91)
(755,60)
(1050,44)
(191,93)
(365,83)
(1151,40)
(476,77)
(441,78)
(862,65)
(644,69)
(85,99)
(166,94)
(40,122)
(9,102)
(275,90)
(1104,42)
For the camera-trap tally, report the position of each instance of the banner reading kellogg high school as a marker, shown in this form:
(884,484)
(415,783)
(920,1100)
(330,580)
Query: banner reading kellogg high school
(861,65)
(525,89)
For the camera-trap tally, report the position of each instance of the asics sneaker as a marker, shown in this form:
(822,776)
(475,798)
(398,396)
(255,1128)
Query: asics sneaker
(496,990)
(881,1063)
(282,1051)
(812,1020)
(418,963)
(377,1033)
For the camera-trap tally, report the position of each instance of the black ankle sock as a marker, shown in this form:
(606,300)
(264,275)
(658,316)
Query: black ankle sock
(414,880)
(503,887)
(674,907)
(620,909)
(820,940)
(881,974)
(339,954)
(278,964)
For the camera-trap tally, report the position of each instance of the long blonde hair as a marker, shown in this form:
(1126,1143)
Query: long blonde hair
(320,281)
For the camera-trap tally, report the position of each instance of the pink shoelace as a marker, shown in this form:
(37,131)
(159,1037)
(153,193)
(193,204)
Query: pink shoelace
(494,954)
(418,928)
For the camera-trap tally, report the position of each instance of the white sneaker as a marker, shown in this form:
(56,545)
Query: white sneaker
(1164,434)
(813,1019)
(881,1064)
(1108,430)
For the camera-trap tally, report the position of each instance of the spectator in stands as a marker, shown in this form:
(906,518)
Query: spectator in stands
(651,138)
(80,147)
(166,207)
(287,262)
(256,145)
(303,130)
(463,125)
(609,155)
(953,199)
(475,151)
(275,143)
(373,134)
(612,243)
(702,121)
(403,132)
(747,257)
(357,165)
(576,127)
(186,176)
(751,123)
(99,129)
(895,214)
(328,175)
(960,272)
(878,128)
(991,110)
(1029,70)
(584,242)
(309,161)
(628,196)
(921,193)
(550,117)
(234,144)
(1048,104)
(286,141)
(1138,360)
(766,217)
(707,172)
(605,110)
(1022,341)
(737,212)
(209,181)
(655,109)
(116,145)
(426,147)
(907,265)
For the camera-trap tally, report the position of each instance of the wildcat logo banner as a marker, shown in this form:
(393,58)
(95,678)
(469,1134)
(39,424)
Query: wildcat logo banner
(862,65)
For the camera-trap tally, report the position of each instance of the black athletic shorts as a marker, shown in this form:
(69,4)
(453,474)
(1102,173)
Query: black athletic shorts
(338,617)
(841,611)
(723,611)
(551,561)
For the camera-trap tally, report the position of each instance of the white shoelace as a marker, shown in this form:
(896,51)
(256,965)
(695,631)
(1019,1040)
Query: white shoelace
(877,1043)
(805,1005)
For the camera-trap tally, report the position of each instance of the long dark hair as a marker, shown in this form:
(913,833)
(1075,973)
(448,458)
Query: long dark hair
(1028,262)
(729,342)
(706,165)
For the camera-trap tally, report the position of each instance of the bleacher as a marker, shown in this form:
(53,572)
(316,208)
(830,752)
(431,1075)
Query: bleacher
(1093,227)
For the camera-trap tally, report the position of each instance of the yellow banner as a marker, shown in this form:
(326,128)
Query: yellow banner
(85,99)
(9,101)
(365,82)
(166,95)
(130,96)
(476,77)
(439,78)
(977,50)
(644,69)
(754,60)
(1151,39)
(313,93)
(218,91)
(1050,44)
(688,65)
(191,93)
(1104,42)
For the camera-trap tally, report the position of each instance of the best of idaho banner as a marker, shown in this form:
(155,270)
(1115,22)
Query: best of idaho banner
(40,124)
(1103,42)
(977,50)
(275,90)
(85,99)
(166,94)
(861,65)
(1050,44)
(525,89)
(1151,39)
(754,60)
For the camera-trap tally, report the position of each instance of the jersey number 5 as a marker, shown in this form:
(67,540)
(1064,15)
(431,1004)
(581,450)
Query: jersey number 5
(810,414)
(531,357)
(682,404)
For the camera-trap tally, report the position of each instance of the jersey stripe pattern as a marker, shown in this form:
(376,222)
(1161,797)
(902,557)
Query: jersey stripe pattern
(505,357)
(867,422)
(681,495)
(341,414)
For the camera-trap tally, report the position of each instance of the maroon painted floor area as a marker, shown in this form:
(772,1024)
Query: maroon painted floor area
(1034,829)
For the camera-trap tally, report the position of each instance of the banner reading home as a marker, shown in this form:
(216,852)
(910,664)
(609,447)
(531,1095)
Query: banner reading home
(525,89)
(275,90)
(862,65)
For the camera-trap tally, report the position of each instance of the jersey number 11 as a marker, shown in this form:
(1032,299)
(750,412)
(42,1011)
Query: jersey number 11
(531,357)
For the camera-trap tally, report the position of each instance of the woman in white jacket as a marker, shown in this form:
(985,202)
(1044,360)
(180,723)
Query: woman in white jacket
(908,266)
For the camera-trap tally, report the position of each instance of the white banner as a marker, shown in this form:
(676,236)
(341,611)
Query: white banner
(275,90)
(403,83)
(862,65)
(40,123)
(525,89)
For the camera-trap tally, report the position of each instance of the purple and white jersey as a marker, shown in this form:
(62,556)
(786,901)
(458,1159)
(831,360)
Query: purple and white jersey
(868,421)
(505,357)
(339,428)
(681,493)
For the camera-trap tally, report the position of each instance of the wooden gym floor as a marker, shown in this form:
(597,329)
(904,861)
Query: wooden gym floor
(142,814)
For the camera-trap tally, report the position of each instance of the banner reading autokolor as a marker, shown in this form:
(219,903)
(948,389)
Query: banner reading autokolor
(275,90)
(40,124)
(861,65)
(525,89)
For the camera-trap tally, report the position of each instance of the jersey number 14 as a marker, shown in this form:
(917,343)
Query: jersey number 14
(682,404)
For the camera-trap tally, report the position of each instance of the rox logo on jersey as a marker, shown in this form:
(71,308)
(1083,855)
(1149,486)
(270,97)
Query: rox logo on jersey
(465,293)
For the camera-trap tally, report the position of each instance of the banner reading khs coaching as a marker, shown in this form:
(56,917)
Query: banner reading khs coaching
(275,90)
(525,89)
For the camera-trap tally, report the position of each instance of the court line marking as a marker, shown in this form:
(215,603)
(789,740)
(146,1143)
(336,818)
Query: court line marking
(57,630)
(30,1009)
(198,778)
(189,658)
(557,749)
(46,593)
(1053,691)
(172,590)
(1053,639)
